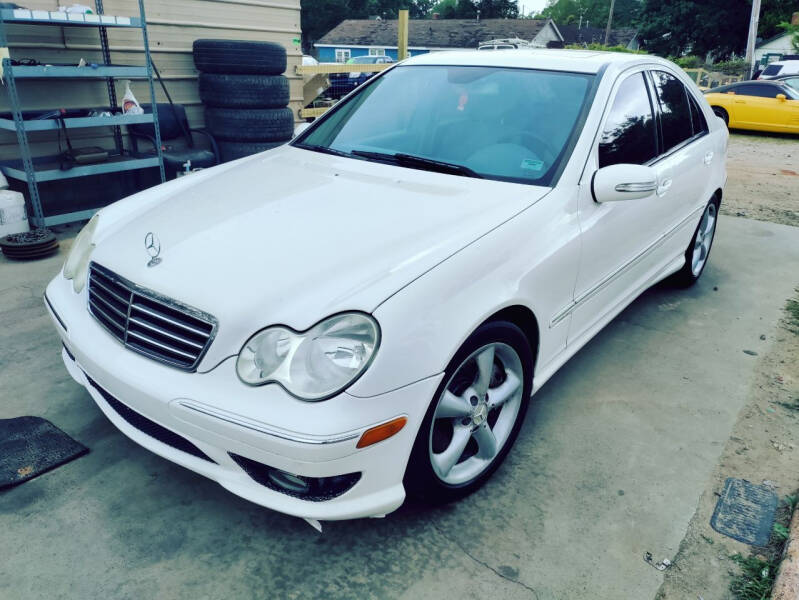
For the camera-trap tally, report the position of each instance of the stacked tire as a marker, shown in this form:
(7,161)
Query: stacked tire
(245,95)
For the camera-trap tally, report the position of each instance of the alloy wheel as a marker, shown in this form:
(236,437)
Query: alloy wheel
(704,237)
(475,414)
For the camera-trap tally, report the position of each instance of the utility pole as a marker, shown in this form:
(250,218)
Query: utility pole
(752,38)
(402,35)
(610,21)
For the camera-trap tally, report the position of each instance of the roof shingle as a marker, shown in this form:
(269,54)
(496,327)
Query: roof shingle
(431,33)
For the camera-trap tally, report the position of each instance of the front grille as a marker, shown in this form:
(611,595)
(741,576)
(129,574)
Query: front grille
(148,427)
(157,327)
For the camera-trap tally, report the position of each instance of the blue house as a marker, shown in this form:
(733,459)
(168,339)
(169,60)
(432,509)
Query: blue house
(368,37)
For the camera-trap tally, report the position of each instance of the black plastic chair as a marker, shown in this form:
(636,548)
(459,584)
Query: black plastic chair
(174,125)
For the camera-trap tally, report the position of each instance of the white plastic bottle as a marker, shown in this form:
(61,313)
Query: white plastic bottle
(13,218)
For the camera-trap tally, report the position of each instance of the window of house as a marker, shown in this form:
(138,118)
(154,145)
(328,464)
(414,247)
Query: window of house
(343,55)
(675,112)
(629,134)
(377,51)
(697,118)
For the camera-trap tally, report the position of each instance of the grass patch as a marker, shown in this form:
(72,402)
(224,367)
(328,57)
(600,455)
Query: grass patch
(757,573)
(791,320)
(755,580)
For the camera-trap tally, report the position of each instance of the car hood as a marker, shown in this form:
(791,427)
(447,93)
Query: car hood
(292,236)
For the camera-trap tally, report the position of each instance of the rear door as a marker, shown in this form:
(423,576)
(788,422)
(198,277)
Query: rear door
(686,150)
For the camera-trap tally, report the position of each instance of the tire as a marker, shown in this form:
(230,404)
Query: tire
(722,114)
(437,435)
(235,56)
(250,124)
(244,91)
(691,271)
(233,150)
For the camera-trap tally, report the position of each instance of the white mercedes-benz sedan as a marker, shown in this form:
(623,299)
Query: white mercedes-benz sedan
(365,312)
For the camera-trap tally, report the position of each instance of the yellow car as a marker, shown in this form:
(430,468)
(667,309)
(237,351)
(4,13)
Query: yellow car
(758,105)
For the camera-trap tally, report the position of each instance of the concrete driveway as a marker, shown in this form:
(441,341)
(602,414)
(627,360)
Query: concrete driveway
(610,464)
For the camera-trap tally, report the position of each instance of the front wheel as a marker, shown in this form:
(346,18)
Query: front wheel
(475,415)
(698,252)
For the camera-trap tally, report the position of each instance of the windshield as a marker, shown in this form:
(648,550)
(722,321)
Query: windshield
(497,123)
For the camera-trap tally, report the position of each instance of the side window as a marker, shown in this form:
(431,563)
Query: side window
(697,118)
(675,112)
(758,90)
(629,135)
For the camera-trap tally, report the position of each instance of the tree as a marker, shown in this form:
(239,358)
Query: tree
(718,27)
(467,9)
(793,31)
(593,12)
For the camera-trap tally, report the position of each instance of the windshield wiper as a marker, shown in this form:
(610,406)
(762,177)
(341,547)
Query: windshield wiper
(323,149)
(419,162)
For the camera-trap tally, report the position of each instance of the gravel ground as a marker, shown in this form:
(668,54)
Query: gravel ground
(763,178)
(763,184)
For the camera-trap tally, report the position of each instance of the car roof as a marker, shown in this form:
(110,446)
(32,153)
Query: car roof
(579,61)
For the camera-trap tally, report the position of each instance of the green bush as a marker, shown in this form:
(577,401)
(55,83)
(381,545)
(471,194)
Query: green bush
(603,48)
(687,62)
(730,67)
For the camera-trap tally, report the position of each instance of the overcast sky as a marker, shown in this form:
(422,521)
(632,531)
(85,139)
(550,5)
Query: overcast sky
(528,6)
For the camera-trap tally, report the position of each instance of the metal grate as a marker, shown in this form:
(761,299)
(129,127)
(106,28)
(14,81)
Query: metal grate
(145,322)
(148,427)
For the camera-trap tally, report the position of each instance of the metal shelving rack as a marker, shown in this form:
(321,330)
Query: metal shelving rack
(35,170)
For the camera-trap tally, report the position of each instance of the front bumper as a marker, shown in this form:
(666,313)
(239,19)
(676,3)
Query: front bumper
(220,416)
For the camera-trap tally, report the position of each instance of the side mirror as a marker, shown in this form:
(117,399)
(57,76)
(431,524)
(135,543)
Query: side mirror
(624,182)
(781,97)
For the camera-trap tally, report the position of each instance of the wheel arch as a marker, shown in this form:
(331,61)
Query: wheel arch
(524,318)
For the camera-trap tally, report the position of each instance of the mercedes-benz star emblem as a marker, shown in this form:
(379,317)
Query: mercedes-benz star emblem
(153,246)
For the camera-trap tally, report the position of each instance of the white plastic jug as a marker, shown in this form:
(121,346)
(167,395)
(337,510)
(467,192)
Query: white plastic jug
(12,213)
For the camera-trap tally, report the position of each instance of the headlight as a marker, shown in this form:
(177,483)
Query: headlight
(314,364)
(77,264)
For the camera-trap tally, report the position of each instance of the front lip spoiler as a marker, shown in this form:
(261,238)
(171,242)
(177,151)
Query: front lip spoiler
(261,428)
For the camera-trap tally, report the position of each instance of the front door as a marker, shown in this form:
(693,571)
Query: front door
(616,236)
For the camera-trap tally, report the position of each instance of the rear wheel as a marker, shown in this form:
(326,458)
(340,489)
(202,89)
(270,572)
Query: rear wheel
(722,114)
(475,415)
(698,252)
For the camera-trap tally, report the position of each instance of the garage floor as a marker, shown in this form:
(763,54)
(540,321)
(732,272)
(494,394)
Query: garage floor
(610,464)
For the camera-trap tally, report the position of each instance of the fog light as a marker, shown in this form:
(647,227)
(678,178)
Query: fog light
(315,489)
(289,482)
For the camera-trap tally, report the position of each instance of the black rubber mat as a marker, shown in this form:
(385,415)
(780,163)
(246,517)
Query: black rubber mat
(745,512)
(30,446)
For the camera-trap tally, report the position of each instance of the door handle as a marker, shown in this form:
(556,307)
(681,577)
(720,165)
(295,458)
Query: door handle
(740,102)
(664,187)
(708,158)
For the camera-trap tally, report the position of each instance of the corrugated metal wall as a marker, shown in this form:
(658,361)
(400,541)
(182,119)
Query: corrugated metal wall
(172,26)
